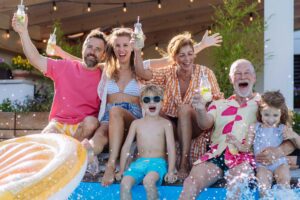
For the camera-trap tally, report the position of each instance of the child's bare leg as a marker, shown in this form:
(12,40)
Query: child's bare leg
(201,176)
(98,141)
(236,176)
(282,175)
(150,185)
(118,120)
(86,128)
(184,132)
(264,178)
(126,185)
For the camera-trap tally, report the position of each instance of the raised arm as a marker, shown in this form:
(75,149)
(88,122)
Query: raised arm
(30,51)
(140,71)
(207,41)
(58,51)
(204,119)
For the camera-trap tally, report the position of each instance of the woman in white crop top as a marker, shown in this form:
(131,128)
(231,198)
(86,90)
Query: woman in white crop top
(121,93)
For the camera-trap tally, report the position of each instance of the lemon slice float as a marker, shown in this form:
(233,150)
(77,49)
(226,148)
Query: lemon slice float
(41,166)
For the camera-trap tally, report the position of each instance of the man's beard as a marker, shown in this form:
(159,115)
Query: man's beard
(243,95)
(90,63)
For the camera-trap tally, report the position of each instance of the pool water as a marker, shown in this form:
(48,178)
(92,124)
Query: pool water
(93,190)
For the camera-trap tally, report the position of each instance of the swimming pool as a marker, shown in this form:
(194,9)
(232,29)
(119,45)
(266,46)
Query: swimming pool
(93,190)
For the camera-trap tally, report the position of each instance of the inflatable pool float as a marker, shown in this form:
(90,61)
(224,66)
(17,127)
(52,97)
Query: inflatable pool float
(41,166)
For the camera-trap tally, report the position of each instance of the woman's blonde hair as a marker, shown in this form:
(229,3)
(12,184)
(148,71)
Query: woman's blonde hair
(179,41)
(111,58)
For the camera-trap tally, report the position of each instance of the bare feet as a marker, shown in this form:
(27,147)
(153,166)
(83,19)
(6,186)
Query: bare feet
(182,174)
(87,145)
(109,175)
(184,169)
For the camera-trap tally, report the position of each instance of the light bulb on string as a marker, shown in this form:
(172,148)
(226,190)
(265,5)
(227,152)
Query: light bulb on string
(191,1)
(7,34)
(124,7)
(159,4)
(209,30)
(54,6)
(156,46)
(259,1)
(251,17)
(89,7)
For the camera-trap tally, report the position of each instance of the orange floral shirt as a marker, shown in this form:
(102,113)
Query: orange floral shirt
(167,79)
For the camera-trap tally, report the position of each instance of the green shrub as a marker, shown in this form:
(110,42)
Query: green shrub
(4,65)
(242,38)
(41,102)
(296,122)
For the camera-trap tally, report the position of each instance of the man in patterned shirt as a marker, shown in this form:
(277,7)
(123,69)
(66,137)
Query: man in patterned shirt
(230,116)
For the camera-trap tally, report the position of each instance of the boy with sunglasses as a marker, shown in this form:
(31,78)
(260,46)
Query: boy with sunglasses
(152,133)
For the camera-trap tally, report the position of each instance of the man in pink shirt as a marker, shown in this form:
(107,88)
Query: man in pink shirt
(76,103)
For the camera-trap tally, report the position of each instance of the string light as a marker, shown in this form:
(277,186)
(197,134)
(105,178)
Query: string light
(251,17)
(142,53)
(209,30)
(259,1)
(124,7)
(158,3)
(7,34)
(156,46)
(54,5)
(89,7)
(44,40)
(191,1)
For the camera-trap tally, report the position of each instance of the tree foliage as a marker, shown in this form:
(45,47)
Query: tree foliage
(74,49)
(242,38)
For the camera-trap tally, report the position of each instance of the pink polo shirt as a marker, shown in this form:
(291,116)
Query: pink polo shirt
(75,91)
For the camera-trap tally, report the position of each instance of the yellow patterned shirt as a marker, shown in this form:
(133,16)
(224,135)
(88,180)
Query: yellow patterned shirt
(230,118)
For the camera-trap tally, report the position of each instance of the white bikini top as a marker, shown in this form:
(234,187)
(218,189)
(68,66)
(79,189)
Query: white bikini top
(132,88)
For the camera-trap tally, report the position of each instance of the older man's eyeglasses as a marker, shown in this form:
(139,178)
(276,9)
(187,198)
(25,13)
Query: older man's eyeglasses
(155,99)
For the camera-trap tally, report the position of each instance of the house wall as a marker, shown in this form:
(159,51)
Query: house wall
(279,70)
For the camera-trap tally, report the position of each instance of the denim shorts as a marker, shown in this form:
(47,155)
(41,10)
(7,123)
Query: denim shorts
(134,109)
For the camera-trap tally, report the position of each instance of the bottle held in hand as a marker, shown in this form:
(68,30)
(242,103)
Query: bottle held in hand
(21,13)
(205,87)
(52,41)
(139,35)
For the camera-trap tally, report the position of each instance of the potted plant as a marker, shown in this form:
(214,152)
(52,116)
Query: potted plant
(22,69)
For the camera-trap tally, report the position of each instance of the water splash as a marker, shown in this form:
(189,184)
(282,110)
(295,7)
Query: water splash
(243,186)
(279,192)
(247,188)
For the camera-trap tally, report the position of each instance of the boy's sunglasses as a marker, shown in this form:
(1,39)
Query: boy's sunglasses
(155,99)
